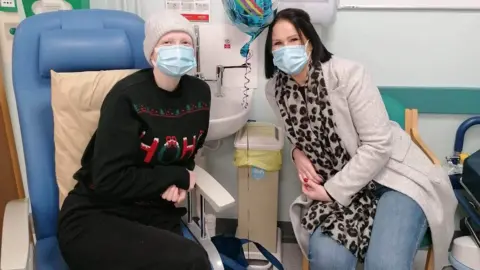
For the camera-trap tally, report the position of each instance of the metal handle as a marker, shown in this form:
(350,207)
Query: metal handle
(221,69)
(245,65)
(462,129)
(472,231)
(196,29)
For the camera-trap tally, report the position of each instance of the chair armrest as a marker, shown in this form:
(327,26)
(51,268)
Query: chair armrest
(418,140)
(16,236)
(215,194)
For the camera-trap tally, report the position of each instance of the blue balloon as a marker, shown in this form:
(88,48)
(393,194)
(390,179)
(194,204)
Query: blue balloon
(250,21)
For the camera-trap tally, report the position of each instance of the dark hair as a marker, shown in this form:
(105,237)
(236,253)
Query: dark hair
(301,21)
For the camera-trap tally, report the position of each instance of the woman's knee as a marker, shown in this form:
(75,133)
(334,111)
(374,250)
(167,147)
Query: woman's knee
(196,258)
(387,260)
(398,230)
(326,253)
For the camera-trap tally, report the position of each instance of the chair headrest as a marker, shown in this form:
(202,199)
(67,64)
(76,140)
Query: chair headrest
(80,50)
(78,40)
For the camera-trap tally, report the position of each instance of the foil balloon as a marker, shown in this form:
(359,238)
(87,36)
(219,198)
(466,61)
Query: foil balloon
(251,17)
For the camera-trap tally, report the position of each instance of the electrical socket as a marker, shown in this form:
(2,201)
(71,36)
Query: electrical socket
(7,3)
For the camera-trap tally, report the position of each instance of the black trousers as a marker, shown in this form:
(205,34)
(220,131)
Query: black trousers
(125,237)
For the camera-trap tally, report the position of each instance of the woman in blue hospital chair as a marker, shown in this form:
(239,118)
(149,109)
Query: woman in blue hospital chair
(138,164)
(369,193)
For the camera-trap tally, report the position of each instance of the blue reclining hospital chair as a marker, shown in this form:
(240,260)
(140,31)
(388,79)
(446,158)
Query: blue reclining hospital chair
(72,41)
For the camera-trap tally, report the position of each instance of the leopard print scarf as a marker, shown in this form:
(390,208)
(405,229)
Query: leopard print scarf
(310,126)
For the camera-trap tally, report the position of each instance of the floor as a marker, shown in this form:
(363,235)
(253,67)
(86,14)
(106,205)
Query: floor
(292,258)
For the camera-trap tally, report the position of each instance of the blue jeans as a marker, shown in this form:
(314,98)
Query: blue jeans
(398,230)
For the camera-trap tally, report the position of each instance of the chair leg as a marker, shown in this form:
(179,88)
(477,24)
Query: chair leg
(429,262)
(305,265)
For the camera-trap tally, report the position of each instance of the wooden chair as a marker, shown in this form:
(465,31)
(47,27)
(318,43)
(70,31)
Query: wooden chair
(408,120)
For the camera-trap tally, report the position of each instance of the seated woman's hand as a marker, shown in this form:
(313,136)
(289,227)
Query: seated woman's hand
(305,169)
(178,195)
(182,195)
(315,191)
(174,194)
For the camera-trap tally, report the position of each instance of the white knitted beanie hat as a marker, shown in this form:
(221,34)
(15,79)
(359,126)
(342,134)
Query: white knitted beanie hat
(162,23)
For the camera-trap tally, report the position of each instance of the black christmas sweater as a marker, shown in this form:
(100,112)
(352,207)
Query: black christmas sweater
(146,139)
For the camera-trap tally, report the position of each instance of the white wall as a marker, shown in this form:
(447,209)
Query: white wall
(399,48)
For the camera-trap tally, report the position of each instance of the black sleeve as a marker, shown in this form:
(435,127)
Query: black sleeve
(191,161)
(201,141)
(114,170)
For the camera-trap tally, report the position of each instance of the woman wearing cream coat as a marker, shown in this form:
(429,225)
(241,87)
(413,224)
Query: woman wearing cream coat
(378,163)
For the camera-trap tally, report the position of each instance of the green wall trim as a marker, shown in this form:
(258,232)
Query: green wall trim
(437,100)
(85,4)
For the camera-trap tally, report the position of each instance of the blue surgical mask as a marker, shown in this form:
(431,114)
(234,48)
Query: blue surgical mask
(291,59)
(175,60)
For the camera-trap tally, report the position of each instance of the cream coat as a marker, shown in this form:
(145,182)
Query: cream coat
(380,150)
